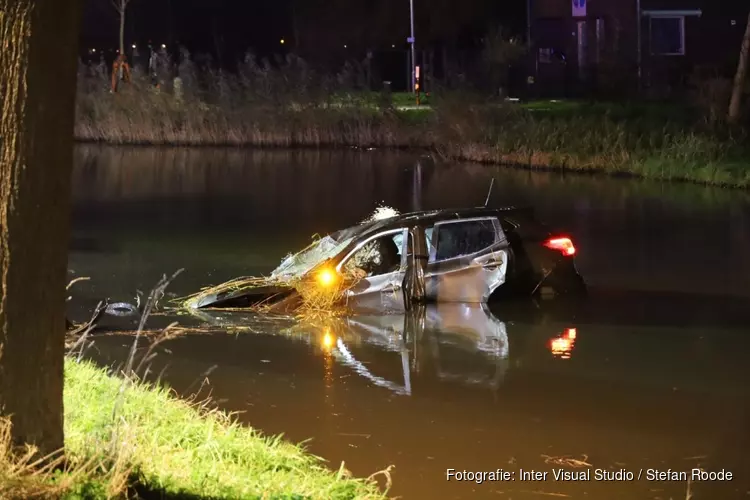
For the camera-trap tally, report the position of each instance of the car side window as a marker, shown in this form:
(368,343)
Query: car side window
(379,256)
(459,238)
(428,236)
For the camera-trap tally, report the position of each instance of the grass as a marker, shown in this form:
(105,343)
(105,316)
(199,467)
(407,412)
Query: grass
(181,449)
(159,444)
(291,106)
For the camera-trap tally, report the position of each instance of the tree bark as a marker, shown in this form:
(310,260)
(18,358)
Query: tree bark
(38,88)
(739,77)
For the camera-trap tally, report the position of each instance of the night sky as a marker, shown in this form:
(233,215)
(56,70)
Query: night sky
(194,23)
(226,29)
(233,26)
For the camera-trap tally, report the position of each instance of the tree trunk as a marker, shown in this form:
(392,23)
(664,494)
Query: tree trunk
(739,77)
(38,87)
(122,27)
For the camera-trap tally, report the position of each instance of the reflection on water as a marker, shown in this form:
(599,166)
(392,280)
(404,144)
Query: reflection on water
(466,386)
(562,346)
(456,340)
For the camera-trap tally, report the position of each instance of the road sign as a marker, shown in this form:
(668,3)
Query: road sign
(579,8)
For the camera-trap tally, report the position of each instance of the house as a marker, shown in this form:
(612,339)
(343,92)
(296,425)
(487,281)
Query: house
(584,46)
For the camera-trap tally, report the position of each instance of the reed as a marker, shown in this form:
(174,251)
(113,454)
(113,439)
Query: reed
(289,105)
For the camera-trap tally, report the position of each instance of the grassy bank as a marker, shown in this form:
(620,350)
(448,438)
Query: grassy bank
(289,106)
(168,446)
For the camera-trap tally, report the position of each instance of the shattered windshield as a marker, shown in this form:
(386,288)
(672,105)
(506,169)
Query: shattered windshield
(299,264)
(296,265)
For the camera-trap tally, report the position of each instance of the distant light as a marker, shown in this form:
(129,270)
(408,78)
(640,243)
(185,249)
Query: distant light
(133,45)
(393,46)
(734,22)
(344,46)
(163,45)
(93,51)
(281,41)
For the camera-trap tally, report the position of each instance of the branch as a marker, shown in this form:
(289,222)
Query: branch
(120,5)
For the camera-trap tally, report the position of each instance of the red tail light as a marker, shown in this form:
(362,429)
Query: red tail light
(561,244)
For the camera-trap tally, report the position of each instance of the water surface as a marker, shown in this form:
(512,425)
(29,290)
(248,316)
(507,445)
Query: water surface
(647,374)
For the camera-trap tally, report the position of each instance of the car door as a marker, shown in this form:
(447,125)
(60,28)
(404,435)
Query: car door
(468,260)
(380,291)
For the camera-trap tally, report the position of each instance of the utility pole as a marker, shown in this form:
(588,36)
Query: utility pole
(413,50)
(528,24)
(532,52)
(639,56)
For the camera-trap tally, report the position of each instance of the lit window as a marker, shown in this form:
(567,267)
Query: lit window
(667,36)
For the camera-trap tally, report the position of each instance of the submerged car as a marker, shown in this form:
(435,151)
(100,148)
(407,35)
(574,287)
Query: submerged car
(468,255)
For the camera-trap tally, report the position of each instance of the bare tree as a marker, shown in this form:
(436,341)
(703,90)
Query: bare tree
(739,77)
(37,88)
(121,7)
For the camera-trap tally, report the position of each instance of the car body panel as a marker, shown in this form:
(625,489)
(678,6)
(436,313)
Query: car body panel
(467,278)
(380,292)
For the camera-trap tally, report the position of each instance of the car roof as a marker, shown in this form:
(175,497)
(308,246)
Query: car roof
(433,216)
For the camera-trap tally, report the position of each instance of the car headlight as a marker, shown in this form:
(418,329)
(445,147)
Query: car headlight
(326,277)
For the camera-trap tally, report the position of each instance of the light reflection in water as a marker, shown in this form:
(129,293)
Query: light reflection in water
(327,343)
(562,346)
(346,358)
(328,340)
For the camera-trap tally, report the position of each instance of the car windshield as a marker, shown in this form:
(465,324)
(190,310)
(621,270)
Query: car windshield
(299,264)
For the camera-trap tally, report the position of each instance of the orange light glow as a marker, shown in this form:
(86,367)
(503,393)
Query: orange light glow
(326,277)
(564,245)
(328,339)
(562,346)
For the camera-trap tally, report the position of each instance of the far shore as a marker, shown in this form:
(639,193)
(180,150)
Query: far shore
(653,141)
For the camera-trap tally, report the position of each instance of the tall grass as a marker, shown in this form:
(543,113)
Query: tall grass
(261,105)
(290,105)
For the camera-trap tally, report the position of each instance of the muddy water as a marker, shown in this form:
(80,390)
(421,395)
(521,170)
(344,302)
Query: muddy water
(649,373)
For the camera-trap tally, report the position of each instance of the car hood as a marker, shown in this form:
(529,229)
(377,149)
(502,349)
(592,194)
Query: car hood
(248,296)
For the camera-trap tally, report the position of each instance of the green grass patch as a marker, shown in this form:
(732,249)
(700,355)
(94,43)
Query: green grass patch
(177,448)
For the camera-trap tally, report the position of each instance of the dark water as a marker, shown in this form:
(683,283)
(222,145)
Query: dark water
(649,373)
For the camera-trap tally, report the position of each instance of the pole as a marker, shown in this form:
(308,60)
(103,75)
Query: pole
(413,53)
(638,36)
(528,24)
(531,50)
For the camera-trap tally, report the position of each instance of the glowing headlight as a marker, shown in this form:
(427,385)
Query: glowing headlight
(326,277)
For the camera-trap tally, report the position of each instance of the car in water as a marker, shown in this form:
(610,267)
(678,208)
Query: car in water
(471,255)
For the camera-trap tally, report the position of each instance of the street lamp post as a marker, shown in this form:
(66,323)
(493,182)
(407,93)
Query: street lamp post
(413,51)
